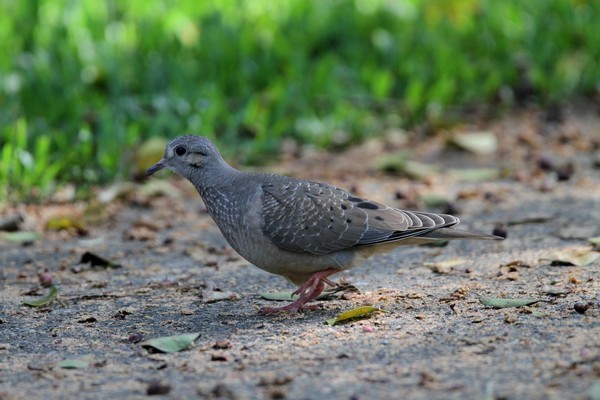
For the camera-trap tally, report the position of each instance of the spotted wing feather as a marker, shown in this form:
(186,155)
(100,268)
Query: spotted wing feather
(318,218)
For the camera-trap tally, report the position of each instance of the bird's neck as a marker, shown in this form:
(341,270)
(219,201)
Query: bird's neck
(217,176)
(214,183)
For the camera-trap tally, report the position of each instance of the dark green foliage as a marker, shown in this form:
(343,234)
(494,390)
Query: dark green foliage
(82,82)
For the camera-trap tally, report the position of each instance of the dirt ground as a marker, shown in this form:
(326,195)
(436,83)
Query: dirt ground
(435,339)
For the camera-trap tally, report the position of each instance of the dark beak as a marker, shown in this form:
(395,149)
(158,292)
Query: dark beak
(156,167)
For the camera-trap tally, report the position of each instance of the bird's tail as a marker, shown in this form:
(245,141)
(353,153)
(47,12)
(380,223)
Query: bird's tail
(452,233)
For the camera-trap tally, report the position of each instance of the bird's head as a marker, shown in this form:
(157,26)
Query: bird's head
(187,155)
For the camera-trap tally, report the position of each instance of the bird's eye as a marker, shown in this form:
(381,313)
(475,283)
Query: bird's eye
(180,150)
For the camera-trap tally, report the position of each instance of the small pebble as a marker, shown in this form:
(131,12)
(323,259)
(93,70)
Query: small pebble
(491,197)
(11,223)
(500,231)
(400,194)
(218,357)
(45,279)
(368,328)
(581,307)
(277,393)
(135,337)
(586,353)
(547,185)
(545,163)
(157,388)
(565,172)
(222,344)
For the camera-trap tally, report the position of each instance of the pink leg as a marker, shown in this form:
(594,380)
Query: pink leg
(310,290)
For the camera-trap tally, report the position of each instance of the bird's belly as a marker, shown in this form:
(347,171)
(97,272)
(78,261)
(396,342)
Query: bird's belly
(267,256)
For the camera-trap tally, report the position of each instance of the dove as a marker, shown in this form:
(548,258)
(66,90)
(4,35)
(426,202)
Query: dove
(302,230)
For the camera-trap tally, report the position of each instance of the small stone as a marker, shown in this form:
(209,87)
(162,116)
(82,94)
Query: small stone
(87,319)
(545,163)
(45,279)
(501,231)
(581,307)
(565,172)
(272,378)
(11,223)
(277,393)
(157,388)
(218,357)
(222,344)
(510,318)
(427,378)
(135,337)
(491,197)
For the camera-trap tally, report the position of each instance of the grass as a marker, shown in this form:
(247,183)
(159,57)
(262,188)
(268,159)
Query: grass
(82,83)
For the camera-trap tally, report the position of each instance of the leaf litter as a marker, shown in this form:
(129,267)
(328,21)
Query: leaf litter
(171,344)
(355,313)
(573,256)
(507,303)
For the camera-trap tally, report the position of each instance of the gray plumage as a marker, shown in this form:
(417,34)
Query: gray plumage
(302,230)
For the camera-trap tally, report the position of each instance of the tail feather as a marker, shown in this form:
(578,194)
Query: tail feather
(452,233)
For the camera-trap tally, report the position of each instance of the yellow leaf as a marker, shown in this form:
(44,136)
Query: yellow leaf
(351,314)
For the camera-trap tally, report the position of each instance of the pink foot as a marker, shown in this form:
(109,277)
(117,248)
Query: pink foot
(310,290)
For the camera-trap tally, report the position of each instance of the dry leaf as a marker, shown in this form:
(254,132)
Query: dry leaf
(221,296)
(484,142)
(446,266)
(575,256)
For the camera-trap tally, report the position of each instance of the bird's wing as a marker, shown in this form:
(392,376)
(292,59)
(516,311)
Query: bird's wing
(318,218)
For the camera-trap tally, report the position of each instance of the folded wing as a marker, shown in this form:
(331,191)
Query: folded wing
(318,218)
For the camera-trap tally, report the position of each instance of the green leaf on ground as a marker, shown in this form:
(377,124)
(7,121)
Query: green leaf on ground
(171,344)
(352,314)
(74,363)
(578,257)
(20,237)
(594,391)
(47,299)
(506,303)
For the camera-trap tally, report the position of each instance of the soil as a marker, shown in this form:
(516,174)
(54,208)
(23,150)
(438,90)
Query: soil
(433,339)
